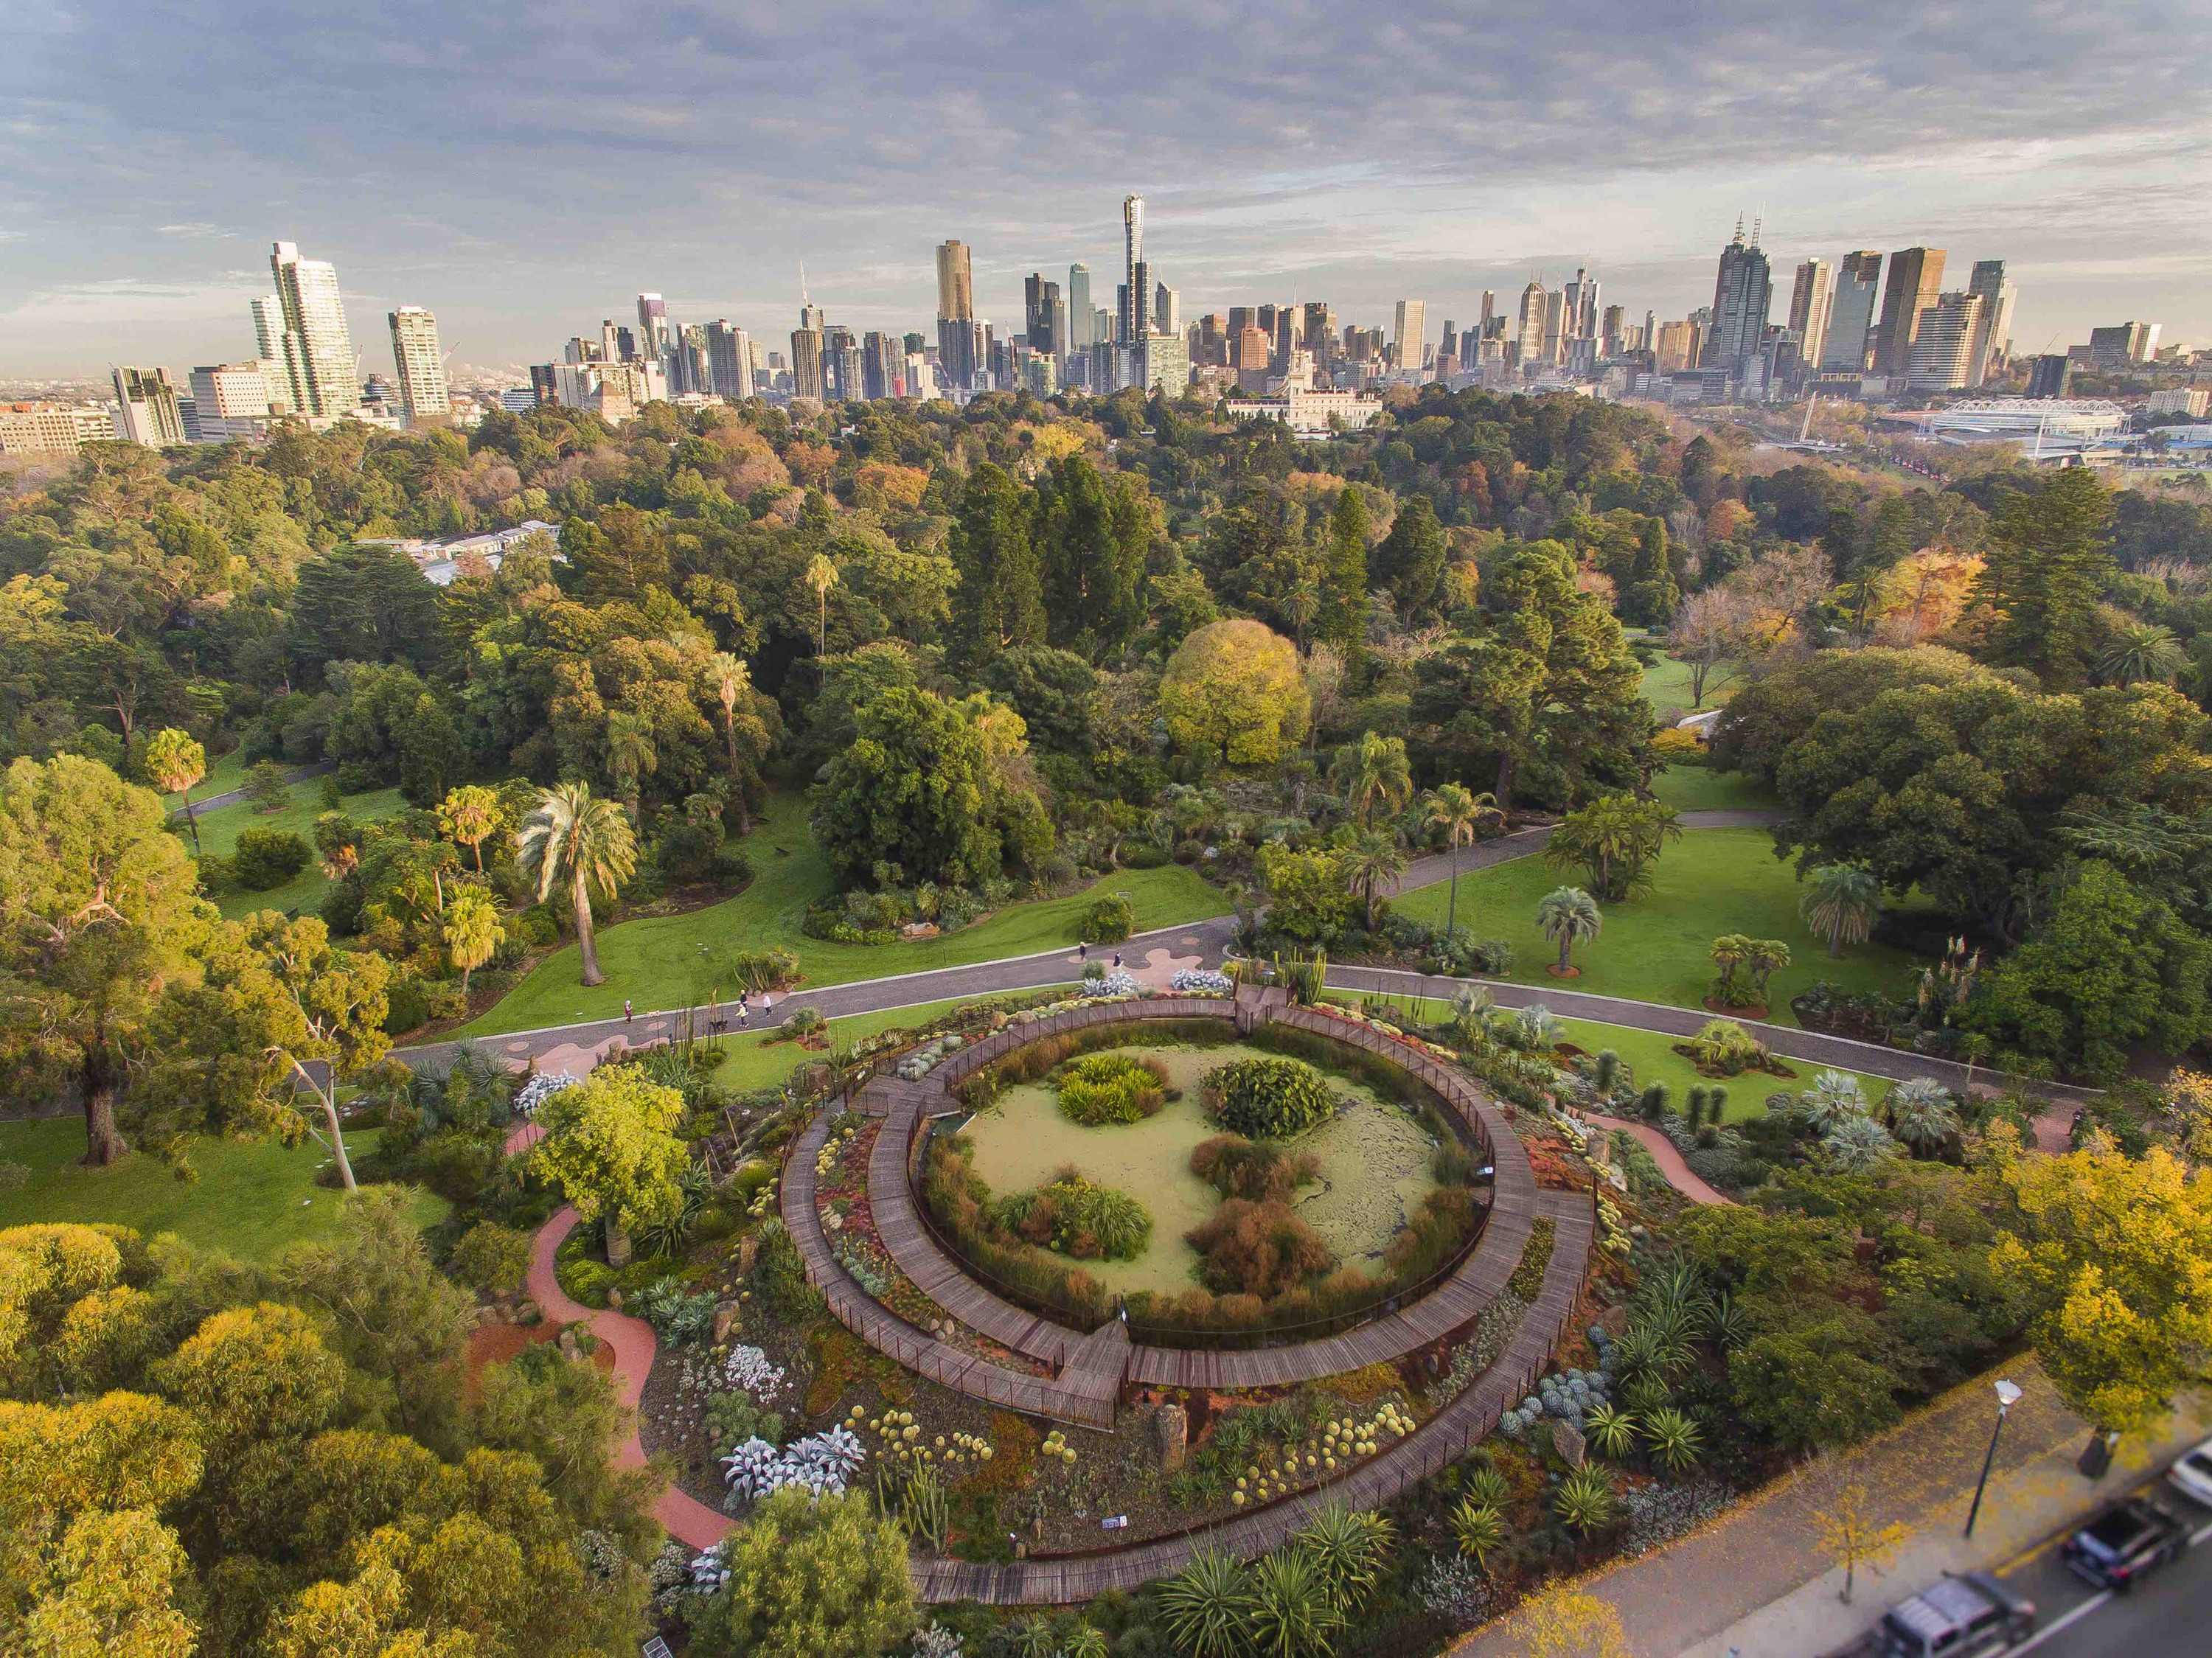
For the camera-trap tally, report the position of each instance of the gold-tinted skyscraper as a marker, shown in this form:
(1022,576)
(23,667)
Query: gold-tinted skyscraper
(956,282)
(1916,279)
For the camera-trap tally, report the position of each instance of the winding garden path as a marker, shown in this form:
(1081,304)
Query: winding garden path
(1663,1153)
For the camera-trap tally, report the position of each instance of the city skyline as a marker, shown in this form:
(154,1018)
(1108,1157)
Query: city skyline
(130,227)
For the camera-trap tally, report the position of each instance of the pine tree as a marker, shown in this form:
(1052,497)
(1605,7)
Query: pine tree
(2045,569)
(1092,537)
(1410,562)
(1001,601)
(1344,602)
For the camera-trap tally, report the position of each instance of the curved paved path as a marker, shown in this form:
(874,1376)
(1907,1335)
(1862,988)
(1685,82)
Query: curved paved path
(1663,1153)
(685,1518)
(1483,854)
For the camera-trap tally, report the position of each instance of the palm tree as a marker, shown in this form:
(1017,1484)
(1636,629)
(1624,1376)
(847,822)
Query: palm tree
(585,841)
(175,762)
(729,679)
(1833,1100)
(1301,604)
(2145,651)
(1921,1114)
(1459,813)
(472,932)
(1203,1606)
(1374,771)
(821,576)
(1841,901)
(631,754)
(1569,916)
(1374,861)
(469,814)
(1857,1143)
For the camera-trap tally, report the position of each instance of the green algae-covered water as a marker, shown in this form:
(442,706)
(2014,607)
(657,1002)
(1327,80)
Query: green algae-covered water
(1374,1166)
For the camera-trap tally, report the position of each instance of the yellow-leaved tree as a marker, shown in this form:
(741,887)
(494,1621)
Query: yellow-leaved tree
(1234,688)
(610,1146)
(2116,1255)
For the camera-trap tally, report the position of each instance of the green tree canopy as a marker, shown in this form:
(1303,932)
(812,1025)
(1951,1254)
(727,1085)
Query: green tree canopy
(1234,689)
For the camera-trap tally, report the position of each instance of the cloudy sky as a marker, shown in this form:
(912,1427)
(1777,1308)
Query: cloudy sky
(525,171)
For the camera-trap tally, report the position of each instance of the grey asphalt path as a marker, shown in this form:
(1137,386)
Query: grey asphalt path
(1813,1046)
(1206,939)
(232,797)
(1483,854)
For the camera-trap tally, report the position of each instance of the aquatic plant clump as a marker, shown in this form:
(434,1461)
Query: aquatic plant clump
(1111,1088)
(1076,1216)
(1266,1099)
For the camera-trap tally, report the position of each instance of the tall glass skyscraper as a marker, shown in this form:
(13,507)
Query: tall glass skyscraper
(318,358)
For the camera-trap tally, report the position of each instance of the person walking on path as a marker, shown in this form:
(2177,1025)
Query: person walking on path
(745,1010)
(1083,949)
(625,1010)
(768,1007)
(1117,961)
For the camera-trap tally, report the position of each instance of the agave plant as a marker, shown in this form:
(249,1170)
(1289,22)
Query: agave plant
(1674,1439)
(1653,1347)
(1486,1488)
(1645,1393)
(1583,1501)
(1347,1546)
(1611,1429)
(1478,1528)
(1727,1321)
(1204,1605)
(1289,1610)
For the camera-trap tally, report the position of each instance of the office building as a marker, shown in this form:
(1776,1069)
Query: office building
(230,402)
(1128,324)
(423,391)
(1992,344)
(1680,344)
(47,429)
(956,311)
(1253,353)
(1167,364)
(1851,314)
(806,363)
(2191,402)
(545,385)
(269,347)
(321,377)
(1812,295)
(146,410)
(729,360)
(1943,344)
(1079,318)
(1042,311)
(1167,310)
(1743,292)
(1410,333)
(653,331)
(2050,375)
(1555,326)
(1916,281)
(2122,344)
(1530,338)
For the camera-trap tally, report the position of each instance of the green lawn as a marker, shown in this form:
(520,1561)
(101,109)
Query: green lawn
(220,830)
(252,1200)
(1667,687)
(223,775)
(1652,1056)
(1700,788)
(1654,948)
(656,962)
(752,1061)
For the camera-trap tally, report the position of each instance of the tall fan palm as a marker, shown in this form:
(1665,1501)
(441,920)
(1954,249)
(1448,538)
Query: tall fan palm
(1461,814)
(1568,916)
(584,842)
(1841,901)
(1376,861)
(1921,1114)
(1374,771)
(821,576)
(631,753)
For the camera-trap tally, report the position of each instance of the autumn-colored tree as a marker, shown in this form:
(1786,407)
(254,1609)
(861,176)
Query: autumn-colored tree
(809,1578)
(1565,1622)
(1234,688)
(1847,1523)
(610,1146)
(2116,1253)
(98,914)
(175,762)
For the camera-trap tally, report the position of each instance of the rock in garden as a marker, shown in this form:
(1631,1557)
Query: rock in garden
(726,1318)
(1171,1433)
(748,1253)
(614,1299)
(1567,1441)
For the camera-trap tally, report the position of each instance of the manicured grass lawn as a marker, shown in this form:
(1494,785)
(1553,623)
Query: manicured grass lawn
(1656,946)
(1667,687)
(1700,788)
(752,1061)
(223,775)
(252,1201)
(220,830)
(656,962)
(1651,1055)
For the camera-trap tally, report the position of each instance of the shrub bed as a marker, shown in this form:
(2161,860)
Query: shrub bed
(1266,1099)
(1078,1217)
(1103,1088)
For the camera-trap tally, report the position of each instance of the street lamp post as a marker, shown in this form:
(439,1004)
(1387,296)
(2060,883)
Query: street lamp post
(2008,1396)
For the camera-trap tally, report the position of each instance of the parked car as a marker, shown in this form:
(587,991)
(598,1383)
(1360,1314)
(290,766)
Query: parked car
(1958,1618)
(2192,1475)
(2130,1539)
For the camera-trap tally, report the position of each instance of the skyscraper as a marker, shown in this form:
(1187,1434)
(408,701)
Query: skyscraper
(956,311)
(1811,296)
(269,346)
(1851,312)
(1916,278)
(1530,339)
(1128,326)
(318,364)
(652,336)
(1743,291)
(1993,328)
(729,360)
(1078,307)
(1167,310)
(1041,314)
(146,408)
(1410,334)
(1943,344)
(806,363)
(421,368)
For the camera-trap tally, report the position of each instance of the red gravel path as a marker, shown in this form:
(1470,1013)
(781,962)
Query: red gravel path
(1664,1154)
(631,1340)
